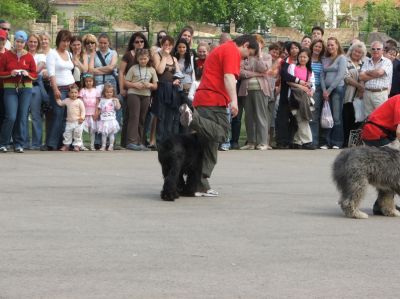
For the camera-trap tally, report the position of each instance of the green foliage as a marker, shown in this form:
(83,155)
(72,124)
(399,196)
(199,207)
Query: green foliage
(107,11)
(15,11)
(246,14)
(385,15)
(44,8)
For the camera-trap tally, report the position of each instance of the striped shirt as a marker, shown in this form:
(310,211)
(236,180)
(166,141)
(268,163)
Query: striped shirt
(383,82)
(317,69)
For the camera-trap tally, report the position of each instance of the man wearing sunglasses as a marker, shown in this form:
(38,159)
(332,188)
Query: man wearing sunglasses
(376,72)
(4,25)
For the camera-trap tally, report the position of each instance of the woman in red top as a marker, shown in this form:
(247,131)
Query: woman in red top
(17,69)
(3,39)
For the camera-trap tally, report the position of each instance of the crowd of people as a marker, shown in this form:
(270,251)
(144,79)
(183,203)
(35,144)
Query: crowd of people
(82,87)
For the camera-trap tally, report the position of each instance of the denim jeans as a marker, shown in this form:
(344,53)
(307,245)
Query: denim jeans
(36,116)
(16,106)
(316,115)
(1,106)
(236,122)
(56,130)
(334,136)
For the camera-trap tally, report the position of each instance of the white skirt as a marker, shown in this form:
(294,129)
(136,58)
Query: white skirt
(107,126)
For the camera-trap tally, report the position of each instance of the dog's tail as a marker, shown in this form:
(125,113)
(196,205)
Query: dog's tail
(339,167)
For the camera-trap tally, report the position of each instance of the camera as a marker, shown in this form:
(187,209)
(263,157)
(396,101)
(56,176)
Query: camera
(18,72)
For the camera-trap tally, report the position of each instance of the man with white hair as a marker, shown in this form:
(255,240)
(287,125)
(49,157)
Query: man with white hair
(377,74)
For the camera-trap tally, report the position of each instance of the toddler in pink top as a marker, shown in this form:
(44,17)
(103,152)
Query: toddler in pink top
(90,96)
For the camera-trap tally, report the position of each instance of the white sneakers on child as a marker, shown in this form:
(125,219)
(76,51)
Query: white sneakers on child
(186,115)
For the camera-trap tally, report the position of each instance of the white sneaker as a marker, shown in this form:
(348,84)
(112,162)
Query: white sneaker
(3,149)
(209,193)
(186,115)
(335,147)
(324,147)
(262,147)
(248,147)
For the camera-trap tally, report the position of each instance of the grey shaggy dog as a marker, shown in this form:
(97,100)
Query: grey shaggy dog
(355,168)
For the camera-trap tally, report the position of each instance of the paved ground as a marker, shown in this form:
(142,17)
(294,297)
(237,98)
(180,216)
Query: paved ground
(91,225)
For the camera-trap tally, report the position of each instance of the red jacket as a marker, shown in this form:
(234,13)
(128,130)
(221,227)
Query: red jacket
(9,61)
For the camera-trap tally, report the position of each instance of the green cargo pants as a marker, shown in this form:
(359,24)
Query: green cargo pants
(213,124)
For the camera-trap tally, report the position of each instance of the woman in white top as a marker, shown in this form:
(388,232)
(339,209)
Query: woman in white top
(39,94)
(59,68)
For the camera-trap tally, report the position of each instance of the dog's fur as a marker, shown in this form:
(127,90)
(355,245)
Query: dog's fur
(181,155)
(355,168)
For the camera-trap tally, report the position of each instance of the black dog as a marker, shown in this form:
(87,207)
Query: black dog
(181,155)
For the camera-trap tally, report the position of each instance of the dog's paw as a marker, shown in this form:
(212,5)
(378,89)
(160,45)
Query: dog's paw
(359,215)
(169,196)
(391,212)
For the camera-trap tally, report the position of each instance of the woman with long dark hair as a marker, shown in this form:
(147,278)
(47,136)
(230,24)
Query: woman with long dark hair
(166,104)
(59,66)
(317,52)
(186,64)
(79,58)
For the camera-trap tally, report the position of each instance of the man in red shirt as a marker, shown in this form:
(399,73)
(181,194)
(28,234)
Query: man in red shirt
(216,93)
(383,124)
(3,39)
(383,128)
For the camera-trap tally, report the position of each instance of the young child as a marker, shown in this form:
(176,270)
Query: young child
(140,80)
(75,118)
(89,97)
(107,124)
(301,99)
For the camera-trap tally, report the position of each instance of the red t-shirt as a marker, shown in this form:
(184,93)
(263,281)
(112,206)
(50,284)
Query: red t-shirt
(386,115)
(224,59)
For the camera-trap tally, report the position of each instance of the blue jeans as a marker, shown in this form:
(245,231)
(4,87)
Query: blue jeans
(316,115)
(334,136)
(16,106)
(56,130)
(1,106)
(36,115)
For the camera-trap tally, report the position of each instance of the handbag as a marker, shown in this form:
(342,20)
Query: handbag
(326,116)
(359,111)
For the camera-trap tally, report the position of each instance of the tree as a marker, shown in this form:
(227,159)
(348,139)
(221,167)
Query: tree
(17,12)
(248,15)
(105,12)
(45,8)
(385,15)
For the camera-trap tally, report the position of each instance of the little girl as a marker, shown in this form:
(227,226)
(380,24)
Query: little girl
(90,97)
(107,125)
(301,99)
(75,118)
(140,80)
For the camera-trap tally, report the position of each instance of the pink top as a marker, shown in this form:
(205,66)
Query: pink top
(301,73)
(89,99)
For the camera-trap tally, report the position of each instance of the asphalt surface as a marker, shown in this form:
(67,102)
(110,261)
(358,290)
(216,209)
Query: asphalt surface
(92,225)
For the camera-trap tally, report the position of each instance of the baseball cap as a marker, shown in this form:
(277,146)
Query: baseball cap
(21,35)
(3,34)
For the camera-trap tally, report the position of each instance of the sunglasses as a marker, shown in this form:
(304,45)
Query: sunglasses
(161,36)
(91,43)
(376,49)
(6,29)
(139,41)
